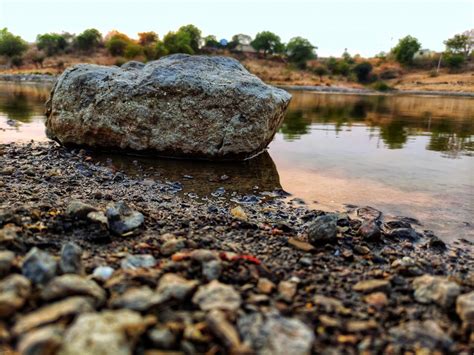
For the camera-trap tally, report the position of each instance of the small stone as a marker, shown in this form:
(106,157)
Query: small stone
(298,244)
(14,291)
(79,209)
(136,298)
(376,299)
(405,233)
(465,308)
(357,326)
(276,335)
(203,255)
(39,266)
(51,313)
(132,262)
(330,304)
(9,236)
(287,290)
(216,295)
(238,213)
(175,287)
(323,230)
(370,230)
(425,334)
(71,259)
(265,286)
(369,286)
(73,285)
(407,266)
(211,270)
(172,246)
(122,219)
(108,332)
(223,329)
(369,213)
(102,273)
(6,262)
(361,249)
(42,341)
(437,289)
(329,322)
(98,217)
(162,338)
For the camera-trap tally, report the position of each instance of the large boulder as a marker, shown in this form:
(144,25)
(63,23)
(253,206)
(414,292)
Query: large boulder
(178,106)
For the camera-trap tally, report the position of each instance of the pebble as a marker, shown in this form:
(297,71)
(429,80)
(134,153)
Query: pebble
(427,334)
(51,313)
(376,299)
(39,266)
(465,308)
(98,217)
(136,299)
(369,286)
(108,332)
(174,287)
(437,289)
(122,219)
(276,335)
(298,244)
(14,291)
(238,213)
(202,255)
(71,259)
(6,261)
(8,236)
(223,329)
(265,286)
(162,338)
(131,262)
(405,233)
(323,230)
(73,285)
(370,230)
(212,270)
(172,246)
(102,273)
(42,341)
(287,290)
(216,295)
(330,304)
(79,209)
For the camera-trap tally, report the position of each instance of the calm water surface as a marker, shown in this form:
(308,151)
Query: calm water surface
(406,155)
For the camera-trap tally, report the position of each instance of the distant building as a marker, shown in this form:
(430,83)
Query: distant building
(424,53)
(245,48)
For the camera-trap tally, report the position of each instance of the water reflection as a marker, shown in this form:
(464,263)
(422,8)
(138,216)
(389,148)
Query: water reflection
(201,177)
(449,122)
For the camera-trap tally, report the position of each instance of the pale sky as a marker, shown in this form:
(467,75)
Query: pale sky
(365,26)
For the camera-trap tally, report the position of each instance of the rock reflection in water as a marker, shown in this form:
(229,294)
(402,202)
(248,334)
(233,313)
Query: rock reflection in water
(201,177)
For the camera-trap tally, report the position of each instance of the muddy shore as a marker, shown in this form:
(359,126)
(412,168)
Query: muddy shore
(156,270)
(42,78)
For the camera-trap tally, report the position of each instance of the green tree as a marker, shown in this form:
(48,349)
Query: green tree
(178,42)
(117,43)
(11,45)
(406,49)
(147,38)
(454,60)
(362,71)
(299,51)
(211,42)
(459,44)
(268,42)
(160,50)
(194,34)
(88,40)
(51,43)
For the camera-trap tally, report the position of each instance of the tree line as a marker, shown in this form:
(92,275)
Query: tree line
(188,39)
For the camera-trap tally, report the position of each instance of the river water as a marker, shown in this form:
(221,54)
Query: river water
(406,155)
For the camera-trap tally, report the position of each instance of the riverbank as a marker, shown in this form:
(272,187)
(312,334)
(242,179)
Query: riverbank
(216,274)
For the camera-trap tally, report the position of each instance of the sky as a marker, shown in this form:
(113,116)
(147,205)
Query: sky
(364,27)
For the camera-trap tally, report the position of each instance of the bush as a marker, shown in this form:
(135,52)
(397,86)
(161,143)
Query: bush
(177,42)
(381,86)
(17,61)
(194,35)
(363,71)
(406,49)
(299,51)
(88,40)
(320,71)
(389,73)
(454,61)
(133,50)
(51,43)
(36,56)
(117,44)
(11,45)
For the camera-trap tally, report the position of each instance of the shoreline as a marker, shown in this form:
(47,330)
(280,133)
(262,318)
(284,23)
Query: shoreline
(44,78)
(251,270)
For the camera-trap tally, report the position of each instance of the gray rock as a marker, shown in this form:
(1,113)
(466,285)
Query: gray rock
(102,273)
(79,209)
(136,298)
(465,308)
(437,289)
(6,262)
(42,341)
(172,246)
(195,106)
(405,233)
(172,286)
(51,313)
(287,290)
(203,255)
(162,338)
(323,230)
(138,261)
(73,285)
(212,269)
(417,334)
(98,217)
(71,259)
(108,332)
(276,335)
(39,266)
(370,230)
(122,219)
(14,291)
(216,295)
(368,213)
